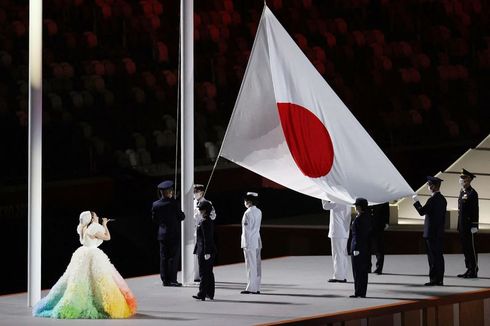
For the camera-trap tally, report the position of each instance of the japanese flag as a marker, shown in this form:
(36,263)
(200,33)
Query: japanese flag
(289,126)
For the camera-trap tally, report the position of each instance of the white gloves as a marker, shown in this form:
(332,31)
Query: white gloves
(355,252)
(387,226)
(474,230)
(207,256)
(415,198)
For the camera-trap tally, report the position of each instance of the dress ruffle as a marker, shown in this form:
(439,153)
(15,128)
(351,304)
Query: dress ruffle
(90,288)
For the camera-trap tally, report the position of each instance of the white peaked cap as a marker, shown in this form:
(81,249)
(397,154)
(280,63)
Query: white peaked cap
(252,194)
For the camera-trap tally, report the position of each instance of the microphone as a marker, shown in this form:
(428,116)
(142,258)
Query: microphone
(111,219)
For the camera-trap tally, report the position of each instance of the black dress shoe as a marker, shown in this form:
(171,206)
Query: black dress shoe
(210,297)
(353,296)
(464,274)
(432,283)
(199,298)
(471,275)
(175,284)
(245,292)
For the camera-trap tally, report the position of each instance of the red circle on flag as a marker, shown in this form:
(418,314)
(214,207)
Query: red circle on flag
(308,140)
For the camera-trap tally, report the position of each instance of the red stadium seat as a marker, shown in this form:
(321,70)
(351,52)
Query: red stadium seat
(68,70)
(331,40)
(19,28)
(425,102)
(149,79)
(109,67)
(228,4)
(51,27)
(90,39)
(129,66)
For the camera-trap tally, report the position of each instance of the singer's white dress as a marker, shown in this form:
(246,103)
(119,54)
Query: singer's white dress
(91,287)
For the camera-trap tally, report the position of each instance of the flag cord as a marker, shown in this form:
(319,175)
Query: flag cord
(233,112)
(212,173)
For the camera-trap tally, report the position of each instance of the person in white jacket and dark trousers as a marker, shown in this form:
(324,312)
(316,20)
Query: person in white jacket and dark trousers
(251,243)
(338,232)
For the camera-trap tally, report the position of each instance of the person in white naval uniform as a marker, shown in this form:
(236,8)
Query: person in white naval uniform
(198,198)
(251,243)
(338,232)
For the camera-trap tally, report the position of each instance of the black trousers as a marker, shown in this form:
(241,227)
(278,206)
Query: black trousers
(206,286)
(360,265)
(469,250)
(169,261)
(378,249)
(436,259)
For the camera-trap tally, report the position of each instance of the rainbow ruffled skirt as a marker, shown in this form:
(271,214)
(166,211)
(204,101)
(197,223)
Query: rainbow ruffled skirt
(91,287)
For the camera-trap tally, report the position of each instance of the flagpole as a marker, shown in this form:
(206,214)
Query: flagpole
(35,153)
(187,134)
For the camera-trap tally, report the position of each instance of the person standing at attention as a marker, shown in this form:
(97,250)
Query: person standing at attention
(198,198)
(360,229)
(435,215)
(468,216)
(205,249)
(167,214)
(251,243)
(338,232)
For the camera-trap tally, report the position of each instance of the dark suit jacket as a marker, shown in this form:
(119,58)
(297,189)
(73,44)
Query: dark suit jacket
(167,214)
(380,215)
(435,215)
(360,229)
(468,214)
(205,238)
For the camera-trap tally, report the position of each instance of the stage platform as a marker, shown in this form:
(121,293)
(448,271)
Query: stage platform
(293,287)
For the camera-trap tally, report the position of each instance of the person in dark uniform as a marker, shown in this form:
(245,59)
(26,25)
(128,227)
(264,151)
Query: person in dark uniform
(205,250)
(468,223)
(380,215)
(360,230)
(167,214)
(435,214)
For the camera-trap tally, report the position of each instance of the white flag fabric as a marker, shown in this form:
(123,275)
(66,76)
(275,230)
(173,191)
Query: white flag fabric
(289,126)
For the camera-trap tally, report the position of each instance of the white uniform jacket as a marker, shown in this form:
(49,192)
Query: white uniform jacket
(251,228)
(340,216)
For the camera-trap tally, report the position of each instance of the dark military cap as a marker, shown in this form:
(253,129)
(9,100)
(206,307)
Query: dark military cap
(465,173)
(361,202)
(198,187)
(434,180)
(166,184)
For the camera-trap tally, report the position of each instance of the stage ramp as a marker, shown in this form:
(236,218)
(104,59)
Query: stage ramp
(477,161)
